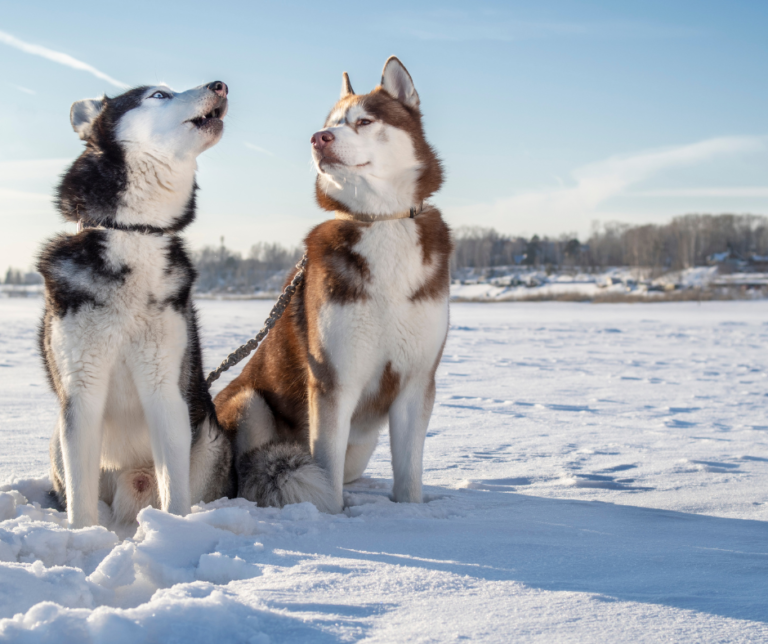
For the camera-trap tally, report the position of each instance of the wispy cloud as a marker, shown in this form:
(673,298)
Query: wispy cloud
(58,57)
(251,146)
(568,207)
(21,88)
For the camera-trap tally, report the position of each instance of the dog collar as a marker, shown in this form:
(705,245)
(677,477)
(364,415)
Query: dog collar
(147,230)
(369,219)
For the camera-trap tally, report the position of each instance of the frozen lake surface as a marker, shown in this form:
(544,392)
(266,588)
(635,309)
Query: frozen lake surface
(594,473)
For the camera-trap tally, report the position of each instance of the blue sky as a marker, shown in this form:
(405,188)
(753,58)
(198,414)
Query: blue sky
(548,115)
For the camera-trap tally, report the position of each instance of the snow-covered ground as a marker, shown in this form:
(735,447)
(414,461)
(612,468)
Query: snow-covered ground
(595,473)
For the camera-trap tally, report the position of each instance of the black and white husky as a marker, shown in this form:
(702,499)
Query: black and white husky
(119,336)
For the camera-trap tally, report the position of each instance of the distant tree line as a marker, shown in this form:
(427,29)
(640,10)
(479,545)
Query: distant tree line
(15,277)
(263,269)
(689,240)
(686,241)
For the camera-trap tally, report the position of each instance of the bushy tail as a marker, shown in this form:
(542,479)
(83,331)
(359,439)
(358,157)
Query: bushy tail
(277,474)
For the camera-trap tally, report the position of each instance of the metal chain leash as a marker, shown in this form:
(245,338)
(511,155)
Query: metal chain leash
(274,315)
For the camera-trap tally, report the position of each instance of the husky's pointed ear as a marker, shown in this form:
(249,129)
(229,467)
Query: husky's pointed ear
(346,86)
(396,80)
(83,113)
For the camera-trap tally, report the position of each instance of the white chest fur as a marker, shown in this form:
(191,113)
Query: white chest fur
(150,273)
(388,325)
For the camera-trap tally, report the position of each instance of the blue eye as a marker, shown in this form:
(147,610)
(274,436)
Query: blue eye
(160,95)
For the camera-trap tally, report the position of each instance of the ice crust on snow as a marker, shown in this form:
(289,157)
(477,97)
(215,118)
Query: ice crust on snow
(593,473)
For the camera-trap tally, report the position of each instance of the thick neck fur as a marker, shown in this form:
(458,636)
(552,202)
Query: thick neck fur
(129,189)
(368,195)
(386,168)
(158,192)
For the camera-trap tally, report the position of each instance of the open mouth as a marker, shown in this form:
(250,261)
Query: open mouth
(205,120)
(211,121)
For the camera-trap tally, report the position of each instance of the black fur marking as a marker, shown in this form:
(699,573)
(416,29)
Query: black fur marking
(180,265)
(188,216)
(198,397)
(92,187)
(57,466)
(76,256)
(43,338)
(58,503)
(223,481)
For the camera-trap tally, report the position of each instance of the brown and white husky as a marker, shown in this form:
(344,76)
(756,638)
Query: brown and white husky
(362,338)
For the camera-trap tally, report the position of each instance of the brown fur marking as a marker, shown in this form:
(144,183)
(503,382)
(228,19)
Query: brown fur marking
(291,359)
(343,273)
(278,373)
(231,415)
(436,247)
(379,403)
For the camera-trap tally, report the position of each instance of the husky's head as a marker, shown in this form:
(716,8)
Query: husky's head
(371,155)
(139,164)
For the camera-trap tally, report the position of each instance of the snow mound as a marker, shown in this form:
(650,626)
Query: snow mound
(197,612)
(89,585)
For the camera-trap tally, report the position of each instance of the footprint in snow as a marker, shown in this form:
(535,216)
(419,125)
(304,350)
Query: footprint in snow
(713,467)
(680,423)
(497,485)
(716,467)
(620,468)
(604,482)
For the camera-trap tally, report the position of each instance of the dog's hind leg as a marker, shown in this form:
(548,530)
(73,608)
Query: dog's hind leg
(256,422)
(408,422)
(211,474)
(358,454)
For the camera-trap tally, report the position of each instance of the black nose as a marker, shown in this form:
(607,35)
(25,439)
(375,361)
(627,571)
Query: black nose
(218,87)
